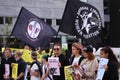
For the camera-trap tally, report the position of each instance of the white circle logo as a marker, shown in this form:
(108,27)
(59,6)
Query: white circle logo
(34,29)
(87,22)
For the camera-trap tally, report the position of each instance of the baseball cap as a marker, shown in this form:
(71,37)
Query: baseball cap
(88,49)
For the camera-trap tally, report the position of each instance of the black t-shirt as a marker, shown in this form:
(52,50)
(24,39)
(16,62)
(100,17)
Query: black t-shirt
(112,72)
(7,61)
(64,62)
(21,67)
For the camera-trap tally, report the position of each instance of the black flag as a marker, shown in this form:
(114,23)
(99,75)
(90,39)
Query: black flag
(30,29)
(82,20)
(114,28)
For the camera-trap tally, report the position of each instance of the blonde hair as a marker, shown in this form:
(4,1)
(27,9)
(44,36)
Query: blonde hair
(8,49)
(77,46)
(18,53)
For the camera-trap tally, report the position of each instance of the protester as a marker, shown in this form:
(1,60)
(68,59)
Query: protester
(90,64)
(111,69)
(45,69)
(57,50)
(27,47)
(47,51)
(76,54)
(7,59)
(21,65)
(34,68)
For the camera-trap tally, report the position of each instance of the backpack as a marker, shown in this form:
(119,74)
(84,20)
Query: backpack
(48,74)
(39,67)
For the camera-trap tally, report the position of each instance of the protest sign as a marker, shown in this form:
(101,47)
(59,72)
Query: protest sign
(101,69)
(14,70)
(7,69)
(53,65)
(77,72)
(68,75)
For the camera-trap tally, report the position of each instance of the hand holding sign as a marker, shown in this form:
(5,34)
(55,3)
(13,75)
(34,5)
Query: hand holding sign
(54,65)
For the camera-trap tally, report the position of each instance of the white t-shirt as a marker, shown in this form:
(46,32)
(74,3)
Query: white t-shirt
(44,69)
(33,68)
(76,60)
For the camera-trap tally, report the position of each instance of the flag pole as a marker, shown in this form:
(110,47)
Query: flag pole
(62,18)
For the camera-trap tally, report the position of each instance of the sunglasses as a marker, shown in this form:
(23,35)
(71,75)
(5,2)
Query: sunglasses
(56,49)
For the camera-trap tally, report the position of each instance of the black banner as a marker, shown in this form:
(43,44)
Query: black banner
(82,20)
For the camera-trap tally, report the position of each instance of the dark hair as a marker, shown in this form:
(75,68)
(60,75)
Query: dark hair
(1,54)
(46,57)
(67,54)
(88,48)
(34,55)
(47,50)
(57,44)
(111,55)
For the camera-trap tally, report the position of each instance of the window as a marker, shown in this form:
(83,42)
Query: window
(8,20)
(5,20)
(58,21)
(49,21)
(106,6)
(1,20)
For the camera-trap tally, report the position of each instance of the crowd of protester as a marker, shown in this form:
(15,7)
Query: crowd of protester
(79,56)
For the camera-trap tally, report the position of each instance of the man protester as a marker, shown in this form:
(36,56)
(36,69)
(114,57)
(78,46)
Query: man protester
(21,65)
(7,59)
(57,50)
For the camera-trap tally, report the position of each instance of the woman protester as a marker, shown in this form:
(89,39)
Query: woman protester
(111,69)
(35,68)
(76,58)
(89,65)
(76,54)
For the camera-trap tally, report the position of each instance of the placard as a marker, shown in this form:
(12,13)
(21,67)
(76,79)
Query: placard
(7,69)
(101,70)
(53,65)
(14,70)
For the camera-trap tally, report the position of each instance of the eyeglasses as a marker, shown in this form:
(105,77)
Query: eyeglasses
(56,49)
